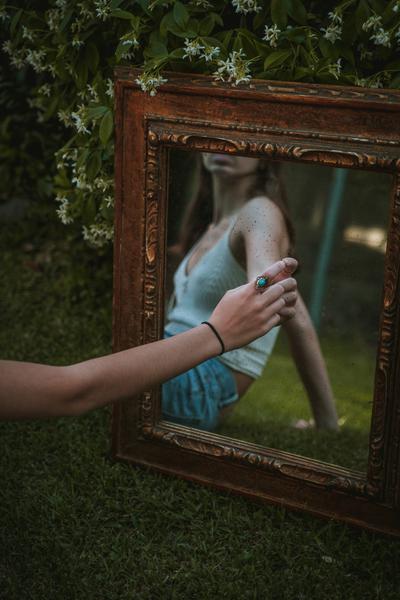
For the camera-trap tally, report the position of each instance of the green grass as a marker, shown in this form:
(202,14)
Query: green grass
(76,525)
(266,414)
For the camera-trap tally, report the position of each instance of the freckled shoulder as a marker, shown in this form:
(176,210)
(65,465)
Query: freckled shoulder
(260,215)
(260,223)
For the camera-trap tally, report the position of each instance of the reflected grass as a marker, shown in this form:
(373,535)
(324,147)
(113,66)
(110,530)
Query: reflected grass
(267,413)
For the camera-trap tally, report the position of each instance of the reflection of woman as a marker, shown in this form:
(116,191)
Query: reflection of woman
(235,225)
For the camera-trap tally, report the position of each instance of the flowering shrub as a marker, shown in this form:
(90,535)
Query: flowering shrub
(72,46)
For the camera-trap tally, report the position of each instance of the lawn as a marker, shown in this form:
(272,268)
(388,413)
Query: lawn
(76,525)
(266,414)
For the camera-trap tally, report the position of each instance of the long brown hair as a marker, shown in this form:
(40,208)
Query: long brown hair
(199,210)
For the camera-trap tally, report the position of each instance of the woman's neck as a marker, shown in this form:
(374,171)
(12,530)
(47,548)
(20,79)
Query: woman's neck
(230,194)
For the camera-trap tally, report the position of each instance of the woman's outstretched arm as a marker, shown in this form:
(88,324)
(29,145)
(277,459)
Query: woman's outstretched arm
(29,390)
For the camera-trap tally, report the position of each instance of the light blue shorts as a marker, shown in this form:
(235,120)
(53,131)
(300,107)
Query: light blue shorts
(196,397)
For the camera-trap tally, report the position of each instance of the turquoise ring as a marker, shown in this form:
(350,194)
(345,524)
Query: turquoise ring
(262,282)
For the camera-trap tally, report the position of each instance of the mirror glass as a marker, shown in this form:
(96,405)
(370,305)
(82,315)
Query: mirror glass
(297,378)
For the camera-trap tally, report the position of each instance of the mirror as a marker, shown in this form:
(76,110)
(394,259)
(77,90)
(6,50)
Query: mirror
(336,224)
(336,151)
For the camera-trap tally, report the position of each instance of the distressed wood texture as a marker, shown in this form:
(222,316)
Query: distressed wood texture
(329,125)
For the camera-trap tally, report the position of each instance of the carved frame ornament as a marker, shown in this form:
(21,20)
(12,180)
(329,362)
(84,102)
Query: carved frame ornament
(329,125)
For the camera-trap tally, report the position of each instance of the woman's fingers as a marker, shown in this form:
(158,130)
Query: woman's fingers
(281,298)
(282,269)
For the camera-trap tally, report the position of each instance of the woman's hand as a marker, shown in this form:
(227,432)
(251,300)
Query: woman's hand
(245,313)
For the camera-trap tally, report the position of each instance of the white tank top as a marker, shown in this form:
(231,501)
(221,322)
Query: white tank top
(196,295)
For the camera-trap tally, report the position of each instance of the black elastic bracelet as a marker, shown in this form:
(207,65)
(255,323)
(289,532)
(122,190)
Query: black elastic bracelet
(217,334)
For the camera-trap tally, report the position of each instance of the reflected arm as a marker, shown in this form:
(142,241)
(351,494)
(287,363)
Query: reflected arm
(306,351)
(266,240)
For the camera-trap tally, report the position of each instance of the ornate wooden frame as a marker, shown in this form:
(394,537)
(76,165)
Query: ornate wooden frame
(331,125)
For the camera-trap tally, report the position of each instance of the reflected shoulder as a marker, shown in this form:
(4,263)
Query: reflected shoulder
(261,213)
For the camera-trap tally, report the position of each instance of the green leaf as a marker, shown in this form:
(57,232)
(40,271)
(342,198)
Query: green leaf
(276,58)
(279,12)
(207,25)
(168,23)
(181,15)
(83,156)
(328,50)
(106,127)
(157,49)
(89,209)
(81,73)
(395,83)
(297,34)
(362,13)
(66,19)
(394,65)
(258,20)
(95,112)
(14,21)
(122,14)
(297,11)
(93,165)
(92,57)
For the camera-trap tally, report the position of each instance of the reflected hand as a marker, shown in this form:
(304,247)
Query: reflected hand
(244,314)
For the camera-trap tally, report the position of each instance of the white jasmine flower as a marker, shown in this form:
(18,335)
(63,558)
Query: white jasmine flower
(128,55)
(52,18)
(7,47)
(235,69)
(92,92)
(361,82)
(380,37)
(3,14)
(44,90)
(130,40)
(86,13)
(27,34)
(35,58)
(372,23)
(78,118)
(61,4)
(98,234)
(76,42)
(192,48)
(110,88)
(103,184)
(103,9)
(18,59)
(332,33)
(364,53)
(246,6)
(63,210)
(396,7)
(108,201)
(202,4)
(211,52)
(52,70)
(81,182)
(271,35)
(335,17)
(336,68)
(150,82)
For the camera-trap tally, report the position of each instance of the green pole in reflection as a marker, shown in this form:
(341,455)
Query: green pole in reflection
(328,237)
